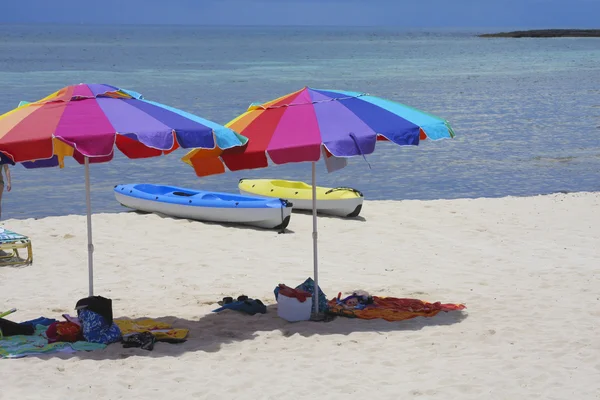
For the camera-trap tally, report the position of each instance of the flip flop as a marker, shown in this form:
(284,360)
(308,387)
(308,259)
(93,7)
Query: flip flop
(226,300)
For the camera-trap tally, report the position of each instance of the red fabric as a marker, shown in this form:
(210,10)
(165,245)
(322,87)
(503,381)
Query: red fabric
(135,149)
(63,332)
(259,132)
(393,309)
(31,139)
(287,291)
(80,158)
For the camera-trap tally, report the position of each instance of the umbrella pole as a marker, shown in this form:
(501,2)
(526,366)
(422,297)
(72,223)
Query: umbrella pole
(315,236)
(90,245)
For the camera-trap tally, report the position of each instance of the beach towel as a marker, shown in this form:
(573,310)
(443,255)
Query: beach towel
(161,330)
(39,321)
(21,345)
(391,308)
(6,235)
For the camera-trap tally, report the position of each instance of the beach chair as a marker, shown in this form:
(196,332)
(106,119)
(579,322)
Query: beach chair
(10,243)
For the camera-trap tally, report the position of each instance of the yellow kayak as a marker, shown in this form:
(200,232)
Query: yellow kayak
(341,201)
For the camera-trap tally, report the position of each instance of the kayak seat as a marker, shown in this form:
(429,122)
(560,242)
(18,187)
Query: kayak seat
(184,194)
(290,184)
(210,197)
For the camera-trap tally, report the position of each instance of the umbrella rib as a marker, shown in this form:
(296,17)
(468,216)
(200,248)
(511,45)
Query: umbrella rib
(313,102)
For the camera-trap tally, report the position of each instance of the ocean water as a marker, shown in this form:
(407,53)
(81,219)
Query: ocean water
(526,111)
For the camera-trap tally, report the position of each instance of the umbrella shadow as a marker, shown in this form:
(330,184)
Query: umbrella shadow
(359,218)
(214,331)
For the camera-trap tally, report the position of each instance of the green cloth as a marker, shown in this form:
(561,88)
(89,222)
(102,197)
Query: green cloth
(24,345)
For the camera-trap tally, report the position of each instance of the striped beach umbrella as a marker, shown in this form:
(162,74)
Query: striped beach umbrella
(309,123)
(87,122)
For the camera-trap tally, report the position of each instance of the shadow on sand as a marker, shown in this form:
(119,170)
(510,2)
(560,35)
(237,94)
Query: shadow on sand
(223,224)
(359,218)
(215,330)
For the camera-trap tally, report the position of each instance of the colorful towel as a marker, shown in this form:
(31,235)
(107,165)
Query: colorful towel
(21,345)
(10,236)
(391,309)
(161,330)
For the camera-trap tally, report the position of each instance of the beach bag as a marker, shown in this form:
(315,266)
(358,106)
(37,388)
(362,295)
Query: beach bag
(96,329)
(99,305)
(10,328)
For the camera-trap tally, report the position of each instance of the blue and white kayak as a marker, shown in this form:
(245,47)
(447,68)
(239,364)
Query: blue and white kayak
(205,206)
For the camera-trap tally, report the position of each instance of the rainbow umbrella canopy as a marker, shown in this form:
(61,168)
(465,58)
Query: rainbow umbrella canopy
(87,121)
(310,123)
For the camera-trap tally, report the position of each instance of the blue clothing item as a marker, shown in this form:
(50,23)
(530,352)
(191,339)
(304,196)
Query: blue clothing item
(96,329)
(40,321)
(249,306)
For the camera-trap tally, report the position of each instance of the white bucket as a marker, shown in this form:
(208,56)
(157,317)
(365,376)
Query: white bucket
(292,310)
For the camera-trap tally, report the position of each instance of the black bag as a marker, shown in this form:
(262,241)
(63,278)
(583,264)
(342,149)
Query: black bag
(99,305)
(10,328)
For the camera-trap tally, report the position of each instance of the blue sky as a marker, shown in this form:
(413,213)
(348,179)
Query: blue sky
(402,13)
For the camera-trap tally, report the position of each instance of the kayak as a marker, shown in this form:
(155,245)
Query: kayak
(205,206)
(340,201)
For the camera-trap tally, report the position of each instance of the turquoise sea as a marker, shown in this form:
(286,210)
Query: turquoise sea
(526,111)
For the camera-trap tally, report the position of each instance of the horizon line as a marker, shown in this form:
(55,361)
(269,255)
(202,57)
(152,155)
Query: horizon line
(201,25)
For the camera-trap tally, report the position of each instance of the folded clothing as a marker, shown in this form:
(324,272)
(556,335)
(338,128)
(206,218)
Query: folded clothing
(298,294)
(64,331)
(249,306)
(145,340)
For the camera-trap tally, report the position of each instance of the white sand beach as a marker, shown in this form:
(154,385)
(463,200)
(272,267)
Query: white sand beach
(526,268)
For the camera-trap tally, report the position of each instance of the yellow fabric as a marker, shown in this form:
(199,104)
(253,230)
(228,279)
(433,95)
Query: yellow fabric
(128,326)
(275,101)
(292,190)
(61,149)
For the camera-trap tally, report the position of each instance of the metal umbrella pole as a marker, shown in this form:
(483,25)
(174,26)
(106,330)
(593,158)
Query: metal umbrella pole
(315,237)
(90,245)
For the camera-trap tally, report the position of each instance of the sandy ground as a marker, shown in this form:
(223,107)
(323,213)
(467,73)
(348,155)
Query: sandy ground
(527,269)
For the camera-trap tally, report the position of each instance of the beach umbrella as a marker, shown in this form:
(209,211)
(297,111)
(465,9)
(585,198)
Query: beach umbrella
(86,122)
(306,124)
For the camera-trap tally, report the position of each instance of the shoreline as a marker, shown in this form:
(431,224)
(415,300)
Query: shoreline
(124,210)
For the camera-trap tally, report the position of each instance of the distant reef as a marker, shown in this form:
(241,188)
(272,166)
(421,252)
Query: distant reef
(545,33)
